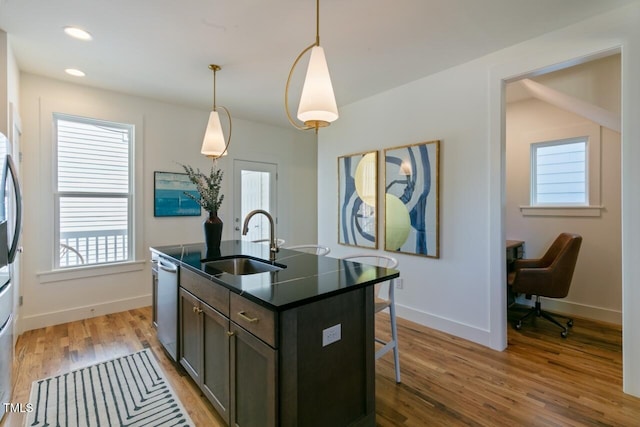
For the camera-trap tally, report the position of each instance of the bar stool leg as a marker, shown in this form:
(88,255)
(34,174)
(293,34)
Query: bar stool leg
(394,332)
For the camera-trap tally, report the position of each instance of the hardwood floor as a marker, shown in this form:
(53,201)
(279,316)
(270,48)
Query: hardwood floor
(57,349)
(540,380)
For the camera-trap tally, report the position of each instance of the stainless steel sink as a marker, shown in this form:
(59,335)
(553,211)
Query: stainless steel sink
(240,265)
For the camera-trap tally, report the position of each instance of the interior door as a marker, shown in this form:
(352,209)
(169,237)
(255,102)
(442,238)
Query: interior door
(255,185)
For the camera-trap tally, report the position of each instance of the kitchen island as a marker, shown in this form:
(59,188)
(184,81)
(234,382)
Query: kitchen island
(290,346)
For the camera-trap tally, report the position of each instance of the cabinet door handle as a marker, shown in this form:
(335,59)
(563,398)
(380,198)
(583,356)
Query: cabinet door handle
(244,316)
(197,310)
(230,333)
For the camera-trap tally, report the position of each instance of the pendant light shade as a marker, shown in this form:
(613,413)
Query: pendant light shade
(317,106)
(214,144)
(317,102)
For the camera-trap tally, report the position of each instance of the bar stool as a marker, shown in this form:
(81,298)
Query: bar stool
(279,242)
(311,249)
(382,303)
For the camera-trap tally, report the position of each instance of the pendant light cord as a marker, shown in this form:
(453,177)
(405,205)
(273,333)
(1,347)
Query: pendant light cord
(214,68)
(214,89)
(317,22)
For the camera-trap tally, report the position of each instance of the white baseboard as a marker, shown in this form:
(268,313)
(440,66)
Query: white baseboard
(468,332)
(576,309)
(483,337)
(42,320)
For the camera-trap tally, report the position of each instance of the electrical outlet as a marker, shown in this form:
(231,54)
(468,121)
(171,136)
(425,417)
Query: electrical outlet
(399,283)
(331,335)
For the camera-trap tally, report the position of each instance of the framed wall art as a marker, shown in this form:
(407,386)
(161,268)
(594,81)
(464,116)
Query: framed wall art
(357,200)
(168,195)
(412,209)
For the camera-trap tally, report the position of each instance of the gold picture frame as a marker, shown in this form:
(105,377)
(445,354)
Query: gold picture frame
(358,199)
(412,199)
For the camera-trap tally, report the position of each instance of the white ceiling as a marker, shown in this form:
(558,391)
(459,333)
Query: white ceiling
(162,48)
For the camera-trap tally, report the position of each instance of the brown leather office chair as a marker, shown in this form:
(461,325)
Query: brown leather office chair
(549,276)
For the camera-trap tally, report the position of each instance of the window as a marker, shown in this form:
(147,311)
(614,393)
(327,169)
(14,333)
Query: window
(559,172)
(93,191)
(565,171)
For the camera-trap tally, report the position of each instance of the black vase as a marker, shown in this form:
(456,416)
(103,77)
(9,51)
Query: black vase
(212,234)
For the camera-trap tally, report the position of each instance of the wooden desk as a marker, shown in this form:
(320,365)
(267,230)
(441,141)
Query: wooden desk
(515,250)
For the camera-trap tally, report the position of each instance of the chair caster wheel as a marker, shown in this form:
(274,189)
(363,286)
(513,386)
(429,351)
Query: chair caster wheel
(570,323)
(518,326)
(563,334)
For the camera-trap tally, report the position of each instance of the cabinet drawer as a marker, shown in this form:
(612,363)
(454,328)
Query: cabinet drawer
(258,320)
(213,294)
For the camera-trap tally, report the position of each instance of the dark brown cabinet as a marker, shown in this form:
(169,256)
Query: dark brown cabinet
(190,335)
(289,347)
(215,374)
(205,349)
(234,369)
(253,380)
(261,367)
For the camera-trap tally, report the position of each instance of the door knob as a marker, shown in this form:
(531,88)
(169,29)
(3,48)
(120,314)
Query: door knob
(237,228)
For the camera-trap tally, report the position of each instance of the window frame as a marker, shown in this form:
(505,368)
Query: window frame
(592,133)
(129,196)
(533,195)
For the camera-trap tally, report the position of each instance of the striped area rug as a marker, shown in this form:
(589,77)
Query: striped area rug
(127,391)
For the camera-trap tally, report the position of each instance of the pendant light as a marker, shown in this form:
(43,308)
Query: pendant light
(214,144)
(317,103)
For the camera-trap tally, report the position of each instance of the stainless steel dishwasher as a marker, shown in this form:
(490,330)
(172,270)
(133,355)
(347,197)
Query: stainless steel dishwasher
(167,312)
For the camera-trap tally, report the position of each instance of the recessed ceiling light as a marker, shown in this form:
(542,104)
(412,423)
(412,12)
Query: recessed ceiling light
(77,33)
(74,72)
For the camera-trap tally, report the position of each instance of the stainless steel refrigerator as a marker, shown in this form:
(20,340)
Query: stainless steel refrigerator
(10,226)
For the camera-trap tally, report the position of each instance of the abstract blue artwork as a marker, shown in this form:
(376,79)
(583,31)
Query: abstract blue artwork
(412,199)
(357,200)
(169,198)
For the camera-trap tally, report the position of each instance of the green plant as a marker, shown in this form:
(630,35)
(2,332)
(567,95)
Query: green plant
(208,187)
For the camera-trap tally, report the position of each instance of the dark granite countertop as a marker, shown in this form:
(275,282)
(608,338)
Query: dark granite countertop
(306,278)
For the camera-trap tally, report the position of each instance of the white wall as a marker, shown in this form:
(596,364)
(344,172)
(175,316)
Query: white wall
(596,289)
(463,292)
(449,293)
(166,135)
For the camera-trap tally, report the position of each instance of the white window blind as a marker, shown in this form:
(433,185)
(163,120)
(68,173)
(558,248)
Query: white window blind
(559,172)
(94,191)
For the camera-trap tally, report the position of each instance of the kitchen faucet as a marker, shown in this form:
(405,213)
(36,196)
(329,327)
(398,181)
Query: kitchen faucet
(273,248)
